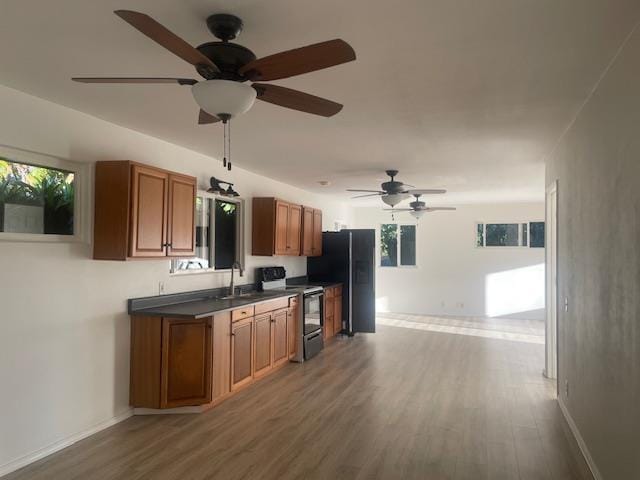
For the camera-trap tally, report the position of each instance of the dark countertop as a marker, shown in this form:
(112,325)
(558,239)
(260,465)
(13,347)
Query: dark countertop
(204,307)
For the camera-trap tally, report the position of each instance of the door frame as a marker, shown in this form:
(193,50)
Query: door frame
(551,274)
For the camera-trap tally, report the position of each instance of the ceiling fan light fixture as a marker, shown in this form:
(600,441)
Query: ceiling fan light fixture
(393,199)
(224,97)
(417,214)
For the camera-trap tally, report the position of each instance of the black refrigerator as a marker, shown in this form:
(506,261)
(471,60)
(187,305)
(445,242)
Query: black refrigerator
(348,257)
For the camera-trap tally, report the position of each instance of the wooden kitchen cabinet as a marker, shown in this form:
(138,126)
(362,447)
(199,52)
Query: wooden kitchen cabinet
(280,346)
(277,227)
(186,362)
(221,355)
(328,313)
(316,248)
(311,232)
(178,362)
(337,312)
(262,356)
(142,212)
(242,341)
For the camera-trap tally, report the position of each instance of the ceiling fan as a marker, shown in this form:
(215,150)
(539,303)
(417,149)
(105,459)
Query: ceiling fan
(393,191)
(226,66)
(418,207)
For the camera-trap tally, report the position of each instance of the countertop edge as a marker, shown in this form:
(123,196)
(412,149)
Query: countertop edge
(157,312)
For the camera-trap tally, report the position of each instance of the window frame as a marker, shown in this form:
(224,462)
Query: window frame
(506,247)
(399,254)
(82,173)
(240,250)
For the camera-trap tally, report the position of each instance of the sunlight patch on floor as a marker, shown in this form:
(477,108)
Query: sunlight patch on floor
(505,329)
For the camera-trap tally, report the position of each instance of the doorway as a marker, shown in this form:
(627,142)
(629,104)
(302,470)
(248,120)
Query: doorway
(551,254)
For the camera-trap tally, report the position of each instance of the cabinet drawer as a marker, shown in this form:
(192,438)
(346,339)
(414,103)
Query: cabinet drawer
(272,305)
(293,302)
(241,313)
(329,292)
(338,291)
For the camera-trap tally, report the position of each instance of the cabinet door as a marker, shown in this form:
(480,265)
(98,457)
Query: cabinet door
(262,350)
(282,222)
(292,326)
(280,336)
(337,314)
(294,229)
(181,217)
(186,362)
(316,248)
(328,315)
(241,353)
(221,355)
(148,212)
(307,232)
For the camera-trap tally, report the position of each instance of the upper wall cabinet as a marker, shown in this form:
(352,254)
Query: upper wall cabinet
(142,212)
(277,227)
(311,232)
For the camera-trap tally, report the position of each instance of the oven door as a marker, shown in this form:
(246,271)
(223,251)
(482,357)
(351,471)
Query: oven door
(313,312)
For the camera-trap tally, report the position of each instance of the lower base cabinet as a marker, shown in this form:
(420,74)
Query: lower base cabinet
(186,362)
(279,344)
(262,351)
(332,311)
(179,362)
(242,341)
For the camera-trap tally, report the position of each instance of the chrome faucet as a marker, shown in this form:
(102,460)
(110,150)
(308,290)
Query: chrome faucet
(232,289)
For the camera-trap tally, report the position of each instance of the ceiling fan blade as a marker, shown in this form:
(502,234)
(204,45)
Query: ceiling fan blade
(144,80)
(398,209)
(205,118)
(299,60)
(296,100)
(428,191)
(357,190)
(368,195)
(165,37)
(433,209)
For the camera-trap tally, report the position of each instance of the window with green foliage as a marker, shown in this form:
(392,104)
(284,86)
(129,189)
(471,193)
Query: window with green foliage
(36,199)
(389,245)
(529,234)
(397,245)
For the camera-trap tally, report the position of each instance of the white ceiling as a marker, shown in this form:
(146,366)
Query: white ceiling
(467,95)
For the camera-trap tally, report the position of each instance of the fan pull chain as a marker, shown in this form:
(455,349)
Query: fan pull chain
(224,144)
(229,146)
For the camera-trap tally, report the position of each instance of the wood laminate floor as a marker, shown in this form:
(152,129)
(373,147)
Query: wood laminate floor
(404,403)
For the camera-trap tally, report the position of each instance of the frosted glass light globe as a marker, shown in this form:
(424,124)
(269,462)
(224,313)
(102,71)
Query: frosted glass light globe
(417,214)
(220,97)
(393,199)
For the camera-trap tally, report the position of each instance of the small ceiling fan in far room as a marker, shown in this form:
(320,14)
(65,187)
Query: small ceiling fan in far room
(226,66)
(393,192)
(418,208)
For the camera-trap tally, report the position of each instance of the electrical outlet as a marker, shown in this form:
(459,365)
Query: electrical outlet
(160,288)
(566,304)
(566,388)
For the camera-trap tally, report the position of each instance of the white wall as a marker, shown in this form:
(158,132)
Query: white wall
(64,332)
(597,166)
(452,276)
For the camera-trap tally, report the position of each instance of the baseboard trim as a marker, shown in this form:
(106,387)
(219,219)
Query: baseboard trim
(579,440)
(25,460)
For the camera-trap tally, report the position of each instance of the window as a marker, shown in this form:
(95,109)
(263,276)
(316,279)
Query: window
(397,245)
(530,234)
(537,234)
(219,226)
(39,197)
